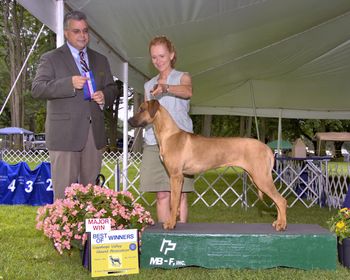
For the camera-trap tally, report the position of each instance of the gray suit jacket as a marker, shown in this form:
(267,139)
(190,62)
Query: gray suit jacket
(68,114)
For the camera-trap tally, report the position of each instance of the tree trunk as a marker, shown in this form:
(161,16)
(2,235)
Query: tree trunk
(241,126)
(138,137)
(206,126)
(111,115)
(248,132)
(263,130)
(245,128)
(13,22)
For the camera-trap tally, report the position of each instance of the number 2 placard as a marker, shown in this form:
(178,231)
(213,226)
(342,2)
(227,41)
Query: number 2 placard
(21,185)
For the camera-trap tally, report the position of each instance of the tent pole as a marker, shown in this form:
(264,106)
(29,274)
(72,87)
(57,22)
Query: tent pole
(254,108)
(125,126)
(59,23)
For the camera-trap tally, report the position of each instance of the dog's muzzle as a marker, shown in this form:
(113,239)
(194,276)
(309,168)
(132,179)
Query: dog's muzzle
(133,122)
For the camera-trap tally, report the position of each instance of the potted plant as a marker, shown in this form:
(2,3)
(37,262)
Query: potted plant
(64,220)
(340,225)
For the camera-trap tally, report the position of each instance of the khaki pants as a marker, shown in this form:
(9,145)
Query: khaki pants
(153,175)
(75,167)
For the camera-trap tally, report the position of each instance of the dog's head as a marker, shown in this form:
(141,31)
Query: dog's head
(145,115)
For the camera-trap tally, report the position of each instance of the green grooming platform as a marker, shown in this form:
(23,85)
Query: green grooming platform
(254,246)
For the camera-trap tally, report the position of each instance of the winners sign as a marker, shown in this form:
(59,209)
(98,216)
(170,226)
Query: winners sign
(112,252)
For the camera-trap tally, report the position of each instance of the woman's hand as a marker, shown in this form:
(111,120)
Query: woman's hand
(159,89)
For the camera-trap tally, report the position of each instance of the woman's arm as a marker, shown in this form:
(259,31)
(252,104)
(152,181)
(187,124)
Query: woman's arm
(184,90)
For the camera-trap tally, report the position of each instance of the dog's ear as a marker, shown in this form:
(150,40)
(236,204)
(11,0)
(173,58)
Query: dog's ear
(153,106)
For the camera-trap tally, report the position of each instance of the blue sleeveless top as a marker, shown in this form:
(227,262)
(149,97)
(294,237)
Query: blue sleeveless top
(176,106)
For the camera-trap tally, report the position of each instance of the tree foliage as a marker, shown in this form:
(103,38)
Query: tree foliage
(292,129)
(111,118)
(18,32)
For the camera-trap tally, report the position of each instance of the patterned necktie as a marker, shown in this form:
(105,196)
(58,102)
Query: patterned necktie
(83,63)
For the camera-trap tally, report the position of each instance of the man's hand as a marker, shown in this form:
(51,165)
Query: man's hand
(79,81)
(99,97)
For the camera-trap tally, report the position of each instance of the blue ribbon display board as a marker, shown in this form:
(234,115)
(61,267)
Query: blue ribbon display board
(21,185)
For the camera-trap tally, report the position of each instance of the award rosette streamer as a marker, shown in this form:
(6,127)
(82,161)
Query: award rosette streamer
(90,86)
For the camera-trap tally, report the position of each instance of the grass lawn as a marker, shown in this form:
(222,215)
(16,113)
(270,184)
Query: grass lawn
(25,253)
(338,167)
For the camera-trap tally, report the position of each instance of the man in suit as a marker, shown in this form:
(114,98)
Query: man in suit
(75,132)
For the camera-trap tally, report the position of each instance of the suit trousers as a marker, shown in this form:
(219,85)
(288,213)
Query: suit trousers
(75,167)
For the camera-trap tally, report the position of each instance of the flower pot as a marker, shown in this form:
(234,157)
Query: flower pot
(84,251)
(344,252)
(340,251)
(85,256)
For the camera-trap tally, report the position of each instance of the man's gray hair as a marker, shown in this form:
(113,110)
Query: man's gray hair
(76,15)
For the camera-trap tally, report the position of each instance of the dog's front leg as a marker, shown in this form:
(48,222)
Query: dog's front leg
(176,182)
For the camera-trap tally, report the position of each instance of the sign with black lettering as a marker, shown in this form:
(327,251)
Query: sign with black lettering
(114,253)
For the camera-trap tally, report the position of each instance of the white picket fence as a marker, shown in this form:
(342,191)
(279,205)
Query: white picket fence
(307,182)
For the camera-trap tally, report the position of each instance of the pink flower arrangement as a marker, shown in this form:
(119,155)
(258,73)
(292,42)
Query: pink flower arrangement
(64,220)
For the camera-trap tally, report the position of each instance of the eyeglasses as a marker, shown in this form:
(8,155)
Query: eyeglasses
(78,31)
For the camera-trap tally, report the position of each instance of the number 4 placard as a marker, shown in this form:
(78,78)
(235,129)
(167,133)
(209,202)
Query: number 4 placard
(21,185)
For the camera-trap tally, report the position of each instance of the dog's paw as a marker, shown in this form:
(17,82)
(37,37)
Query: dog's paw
(169,225)
(279,226)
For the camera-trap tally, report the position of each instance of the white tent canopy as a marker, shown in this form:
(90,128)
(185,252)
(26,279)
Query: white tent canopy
(285,58)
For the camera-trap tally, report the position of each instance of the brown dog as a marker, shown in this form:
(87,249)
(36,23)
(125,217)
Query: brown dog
(187,153)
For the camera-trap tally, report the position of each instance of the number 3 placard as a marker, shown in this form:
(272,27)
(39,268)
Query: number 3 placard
(21,185)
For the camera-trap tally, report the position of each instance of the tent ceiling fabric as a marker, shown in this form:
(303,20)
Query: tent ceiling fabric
(285,58)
